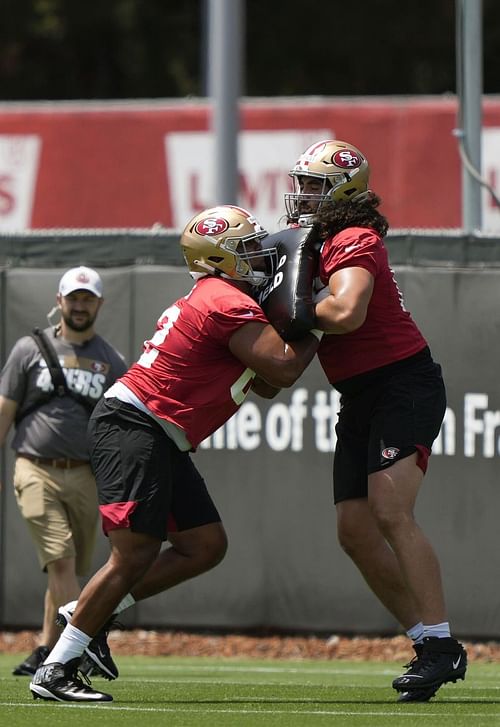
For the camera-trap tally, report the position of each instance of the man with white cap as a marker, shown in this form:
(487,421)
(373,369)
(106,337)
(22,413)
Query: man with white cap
(53,481)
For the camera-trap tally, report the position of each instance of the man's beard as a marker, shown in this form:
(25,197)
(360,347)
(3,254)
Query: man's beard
(80,327)
(308,207)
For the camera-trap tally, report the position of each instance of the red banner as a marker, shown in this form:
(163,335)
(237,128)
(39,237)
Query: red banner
(135,164)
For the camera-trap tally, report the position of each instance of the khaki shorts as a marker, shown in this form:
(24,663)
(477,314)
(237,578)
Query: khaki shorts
(60,509)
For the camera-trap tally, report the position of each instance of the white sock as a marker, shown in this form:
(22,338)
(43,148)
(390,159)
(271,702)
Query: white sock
(439,631)
(416,633)
(125,603)
(70,606)
(71,644)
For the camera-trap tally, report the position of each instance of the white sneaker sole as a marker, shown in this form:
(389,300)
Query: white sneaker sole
(40,692)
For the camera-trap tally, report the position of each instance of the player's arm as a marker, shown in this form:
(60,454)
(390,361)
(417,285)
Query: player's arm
(344,309)
(262,388)
(8,408)
(261,349)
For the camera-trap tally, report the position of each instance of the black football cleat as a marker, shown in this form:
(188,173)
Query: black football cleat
(439,661)
(29,666)
(61,683)
(417,695)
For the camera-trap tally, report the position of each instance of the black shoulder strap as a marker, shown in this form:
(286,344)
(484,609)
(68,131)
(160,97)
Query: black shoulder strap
(50,356)
(57,375)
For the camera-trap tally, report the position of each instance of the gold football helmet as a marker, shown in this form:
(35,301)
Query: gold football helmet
(226,241)
(342,169)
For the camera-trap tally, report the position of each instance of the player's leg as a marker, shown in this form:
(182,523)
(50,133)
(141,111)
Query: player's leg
(410,408)
(197,543)
(190,553)
(357,529)
(362,540)
(131,461)
(392,496)
(197,539)
(131,555)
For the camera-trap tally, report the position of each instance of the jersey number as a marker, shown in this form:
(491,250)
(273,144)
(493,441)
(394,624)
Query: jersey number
(168,318)
(239,389)
(241,386)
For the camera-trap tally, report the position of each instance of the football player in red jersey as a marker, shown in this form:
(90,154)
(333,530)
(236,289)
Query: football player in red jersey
(392,405)
(209,349)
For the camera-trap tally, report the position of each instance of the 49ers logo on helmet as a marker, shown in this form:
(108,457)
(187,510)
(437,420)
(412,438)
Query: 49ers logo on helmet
(211,226)
(346,159)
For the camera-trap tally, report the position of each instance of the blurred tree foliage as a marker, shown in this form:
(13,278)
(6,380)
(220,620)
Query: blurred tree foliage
(108,49)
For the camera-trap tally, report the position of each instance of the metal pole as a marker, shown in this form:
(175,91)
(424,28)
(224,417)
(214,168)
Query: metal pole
(469,89)
(224,87)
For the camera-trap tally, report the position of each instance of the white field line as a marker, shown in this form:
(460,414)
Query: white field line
(265,712)
(320,712)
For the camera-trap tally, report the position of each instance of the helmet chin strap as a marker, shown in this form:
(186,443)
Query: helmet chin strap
(206,267)
(305,220)
(256,279)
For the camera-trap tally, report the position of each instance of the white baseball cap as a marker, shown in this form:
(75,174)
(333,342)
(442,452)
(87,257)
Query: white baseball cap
(81,278)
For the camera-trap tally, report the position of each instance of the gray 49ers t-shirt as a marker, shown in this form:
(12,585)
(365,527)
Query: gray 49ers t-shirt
(58,427)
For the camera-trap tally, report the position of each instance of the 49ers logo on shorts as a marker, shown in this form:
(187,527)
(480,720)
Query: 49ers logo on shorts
(346,159)
(211,226)
(390,453)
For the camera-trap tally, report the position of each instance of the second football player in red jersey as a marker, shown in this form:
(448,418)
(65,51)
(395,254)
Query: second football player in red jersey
(209,349)
(392,404)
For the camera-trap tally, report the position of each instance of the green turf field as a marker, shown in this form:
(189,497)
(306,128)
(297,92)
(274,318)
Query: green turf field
(190,692)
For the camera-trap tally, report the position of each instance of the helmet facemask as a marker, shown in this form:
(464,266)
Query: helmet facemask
(227,241)
(302,206)
(252,263)
(341,173)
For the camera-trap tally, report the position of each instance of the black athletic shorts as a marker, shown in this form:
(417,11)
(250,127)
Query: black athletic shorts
(386,415)
(144,482)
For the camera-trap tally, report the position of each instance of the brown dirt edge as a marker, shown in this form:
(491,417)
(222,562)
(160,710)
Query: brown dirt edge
(179,643)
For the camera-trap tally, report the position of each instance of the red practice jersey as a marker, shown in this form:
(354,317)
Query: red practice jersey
(187,374)
(389,333)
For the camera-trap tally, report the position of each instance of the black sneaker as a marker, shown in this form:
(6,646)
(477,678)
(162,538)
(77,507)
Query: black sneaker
(416,695)
(97,659)
(29,666)
(441,661)
(61,683)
